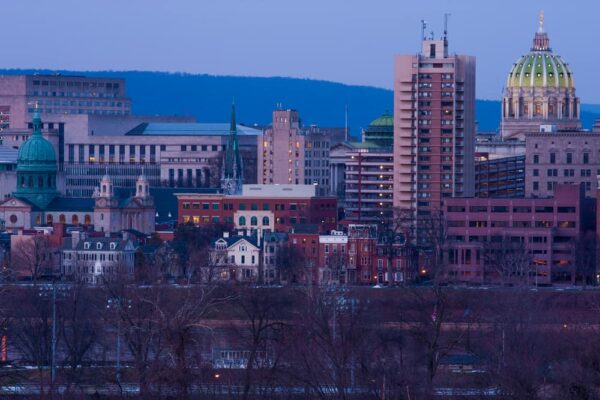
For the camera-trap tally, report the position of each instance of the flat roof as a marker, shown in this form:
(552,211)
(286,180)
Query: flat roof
(190,129)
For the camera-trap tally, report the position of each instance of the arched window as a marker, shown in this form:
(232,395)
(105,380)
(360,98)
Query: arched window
(253,221)
(62,219)
(87,220)
(242,221)
(75,219)
(265,221)
(49,219)
(38,220)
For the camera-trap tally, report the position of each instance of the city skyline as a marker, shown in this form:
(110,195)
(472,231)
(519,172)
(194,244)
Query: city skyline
(348,42)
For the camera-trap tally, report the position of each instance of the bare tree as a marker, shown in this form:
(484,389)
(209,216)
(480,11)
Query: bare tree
(584,255)
(33,256)
(80,332)
(291,264)
(508,258)
(393,231)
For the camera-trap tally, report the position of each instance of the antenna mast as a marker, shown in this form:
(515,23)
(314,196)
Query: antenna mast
(423,29)
(446,16)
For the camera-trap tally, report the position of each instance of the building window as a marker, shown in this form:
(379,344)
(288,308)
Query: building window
(552,158)
(586,158)
(265,221)
(569,158)
(536,159)
(254,221)
(242,221)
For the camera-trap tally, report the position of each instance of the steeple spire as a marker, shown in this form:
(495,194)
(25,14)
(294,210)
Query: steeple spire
(541,28)
(232,179)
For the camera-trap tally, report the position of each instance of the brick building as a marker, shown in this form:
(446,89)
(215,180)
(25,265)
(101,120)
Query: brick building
(272,207)
(538,233)
(559,157)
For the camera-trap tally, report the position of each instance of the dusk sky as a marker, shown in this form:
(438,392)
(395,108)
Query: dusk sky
(348,41)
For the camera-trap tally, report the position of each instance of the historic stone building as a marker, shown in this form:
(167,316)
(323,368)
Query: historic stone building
(540,90)
(36,201)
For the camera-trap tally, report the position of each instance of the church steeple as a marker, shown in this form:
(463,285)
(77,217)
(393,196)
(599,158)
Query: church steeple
(232,179)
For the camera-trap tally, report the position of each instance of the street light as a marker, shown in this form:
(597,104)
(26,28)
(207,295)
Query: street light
(118,303)
(53,291)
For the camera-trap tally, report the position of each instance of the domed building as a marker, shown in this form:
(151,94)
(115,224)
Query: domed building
(380,131)
(540,90)
(37,202)
(36,168)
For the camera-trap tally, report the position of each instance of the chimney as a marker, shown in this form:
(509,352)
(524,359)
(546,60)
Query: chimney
(76,236)
(225,235)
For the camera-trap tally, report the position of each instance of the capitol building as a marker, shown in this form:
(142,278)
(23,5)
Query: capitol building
(540,91)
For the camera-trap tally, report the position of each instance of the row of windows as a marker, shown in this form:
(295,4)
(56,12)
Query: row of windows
(552,185)
(585,158)
(62,83)
(513,224)
(515,209)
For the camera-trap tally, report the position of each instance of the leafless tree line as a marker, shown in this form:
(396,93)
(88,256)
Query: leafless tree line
(405,343)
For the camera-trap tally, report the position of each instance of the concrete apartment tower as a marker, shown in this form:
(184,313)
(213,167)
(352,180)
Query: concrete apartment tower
(434,127)
(281,156)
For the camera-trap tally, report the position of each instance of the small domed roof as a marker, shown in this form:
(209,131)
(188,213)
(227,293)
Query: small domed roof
(386,119)
(37,153)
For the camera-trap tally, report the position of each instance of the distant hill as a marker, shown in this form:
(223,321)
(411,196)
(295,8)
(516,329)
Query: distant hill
(319,102)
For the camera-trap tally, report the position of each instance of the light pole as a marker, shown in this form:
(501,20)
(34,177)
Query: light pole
(118,303)
(54,291)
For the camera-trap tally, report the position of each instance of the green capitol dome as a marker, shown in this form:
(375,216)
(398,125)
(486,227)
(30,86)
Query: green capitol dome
(540,68)
(539,91)
(36,168)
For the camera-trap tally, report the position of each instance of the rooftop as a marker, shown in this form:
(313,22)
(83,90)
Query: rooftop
(190,129)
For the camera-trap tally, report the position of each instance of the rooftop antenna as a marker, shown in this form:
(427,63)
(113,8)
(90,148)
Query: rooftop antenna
(423,28)
(446,16)
(346,123)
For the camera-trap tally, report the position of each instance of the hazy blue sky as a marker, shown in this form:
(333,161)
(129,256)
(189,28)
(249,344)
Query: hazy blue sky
(350,41)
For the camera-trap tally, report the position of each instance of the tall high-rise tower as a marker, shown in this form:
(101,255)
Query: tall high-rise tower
(434,127)
(233,175)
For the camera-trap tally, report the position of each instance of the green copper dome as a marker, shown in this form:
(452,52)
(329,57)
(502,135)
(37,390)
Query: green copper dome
(386,119)
(37,153)
(36,168)
(540,69)
(380,131)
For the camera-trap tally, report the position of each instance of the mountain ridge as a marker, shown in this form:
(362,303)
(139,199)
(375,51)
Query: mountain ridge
(208,98)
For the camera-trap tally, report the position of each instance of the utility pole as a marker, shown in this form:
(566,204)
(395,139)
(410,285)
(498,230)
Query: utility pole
(53,292)
(117,303)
